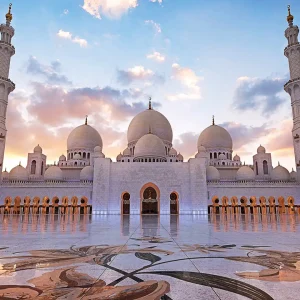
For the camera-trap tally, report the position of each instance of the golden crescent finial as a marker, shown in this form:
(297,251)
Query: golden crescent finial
(290,17)
(9,15)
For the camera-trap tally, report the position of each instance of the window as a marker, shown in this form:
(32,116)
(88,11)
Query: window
(33,167)
(210,155)
(145,159)
(88,156)
(84,155)
(256,167)
(215,155)
(265,167)
(170,160)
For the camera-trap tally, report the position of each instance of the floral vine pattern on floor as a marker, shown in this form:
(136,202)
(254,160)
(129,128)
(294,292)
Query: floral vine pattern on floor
(66,281)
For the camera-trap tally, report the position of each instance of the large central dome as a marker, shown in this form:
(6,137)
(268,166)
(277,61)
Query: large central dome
(84,137)
(149,120)
(215,136)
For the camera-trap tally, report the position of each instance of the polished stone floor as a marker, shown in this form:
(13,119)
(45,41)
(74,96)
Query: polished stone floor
(150,257)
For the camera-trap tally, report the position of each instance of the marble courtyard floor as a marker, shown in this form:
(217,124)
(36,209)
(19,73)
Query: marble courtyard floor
(150,257)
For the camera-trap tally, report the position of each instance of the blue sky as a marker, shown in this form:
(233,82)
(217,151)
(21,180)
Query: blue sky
(188,55)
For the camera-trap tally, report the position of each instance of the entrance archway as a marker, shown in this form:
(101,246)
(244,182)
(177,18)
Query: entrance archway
(125,203)
(150,196)
(174,203)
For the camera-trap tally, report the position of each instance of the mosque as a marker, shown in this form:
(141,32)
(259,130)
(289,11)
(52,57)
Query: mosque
(150,176)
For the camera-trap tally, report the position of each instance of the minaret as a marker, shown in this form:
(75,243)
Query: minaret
(7,50)
(292,52)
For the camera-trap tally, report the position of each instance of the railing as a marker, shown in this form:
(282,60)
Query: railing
(6,43)
(252,183)
(46,183)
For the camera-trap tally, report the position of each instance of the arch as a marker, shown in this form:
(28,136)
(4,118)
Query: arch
(265,167)
(291,203)
(17,205)
(225,202)
(74,203)
(215,202)
(174,203)
(281,205)
(45,205)
(64,205)
(153,207)
(42,168)
(33,167)
(83,205)
(244,203)
(55,205)
(125,203)
(272,204)
(253,205)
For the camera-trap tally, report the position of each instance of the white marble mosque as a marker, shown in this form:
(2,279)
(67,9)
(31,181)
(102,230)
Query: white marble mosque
(150,176)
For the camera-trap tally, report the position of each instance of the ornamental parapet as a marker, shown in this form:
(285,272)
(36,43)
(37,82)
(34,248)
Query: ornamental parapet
(7,43)
(292,80)
(46,183)
(293,44)
(8,80)
(245,183)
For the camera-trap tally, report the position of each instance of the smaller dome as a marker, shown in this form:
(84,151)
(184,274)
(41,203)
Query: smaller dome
(38,149)
(280,173)
(236,158)
(245,173)
(222,156)
(179,157)
(261,149)
(53,173)
(127,152)
(150,145)
(293,175)
(201,149)
(77,156)
(98,149)
(172,152)
(87,173)
(119,157)
(5,175)
(62,158)
(212,173)
(18,173)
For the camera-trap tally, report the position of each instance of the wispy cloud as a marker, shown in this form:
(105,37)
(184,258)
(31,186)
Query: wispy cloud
(138,73)
(189,79)
(69,36)
(258,93)
(156,56)
(50,72)
(154,25)
(158,1)
(110,8)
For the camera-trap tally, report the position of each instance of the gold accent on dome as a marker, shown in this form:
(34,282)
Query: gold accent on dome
(9,16)
(290,17)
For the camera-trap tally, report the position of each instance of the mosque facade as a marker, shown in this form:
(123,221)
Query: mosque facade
(150,176)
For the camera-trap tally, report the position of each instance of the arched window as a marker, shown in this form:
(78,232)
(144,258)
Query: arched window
(145,159)
(265,167)
(210,155)
(223,163)
(170,160)
(33,167)
(75,164)
(256,167)
(88,156)
(84,155)
(42,168)
(71,155)
(128,160)
(215,155)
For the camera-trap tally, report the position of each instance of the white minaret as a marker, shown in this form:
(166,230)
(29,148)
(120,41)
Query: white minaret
(292,52)
(7,50)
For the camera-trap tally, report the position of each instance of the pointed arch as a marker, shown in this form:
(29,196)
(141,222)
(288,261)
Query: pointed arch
(156,189)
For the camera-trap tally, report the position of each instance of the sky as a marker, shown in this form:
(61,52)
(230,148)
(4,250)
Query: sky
(104,58)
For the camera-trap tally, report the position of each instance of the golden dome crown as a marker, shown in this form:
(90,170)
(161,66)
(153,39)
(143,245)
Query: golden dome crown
(9,14)
(290,17)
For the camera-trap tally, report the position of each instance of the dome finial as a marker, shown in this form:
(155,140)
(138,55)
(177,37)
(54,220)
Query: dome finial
(9,16)
(150,131)
(290,17)
(86,119)
(19,163)
(213,120)
(150,103)
(278,163)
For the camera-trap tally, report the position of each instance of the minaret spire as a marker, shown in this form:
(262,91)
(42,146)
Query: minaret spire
(290,17)
(292,86)
(150,103)
(7,50)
